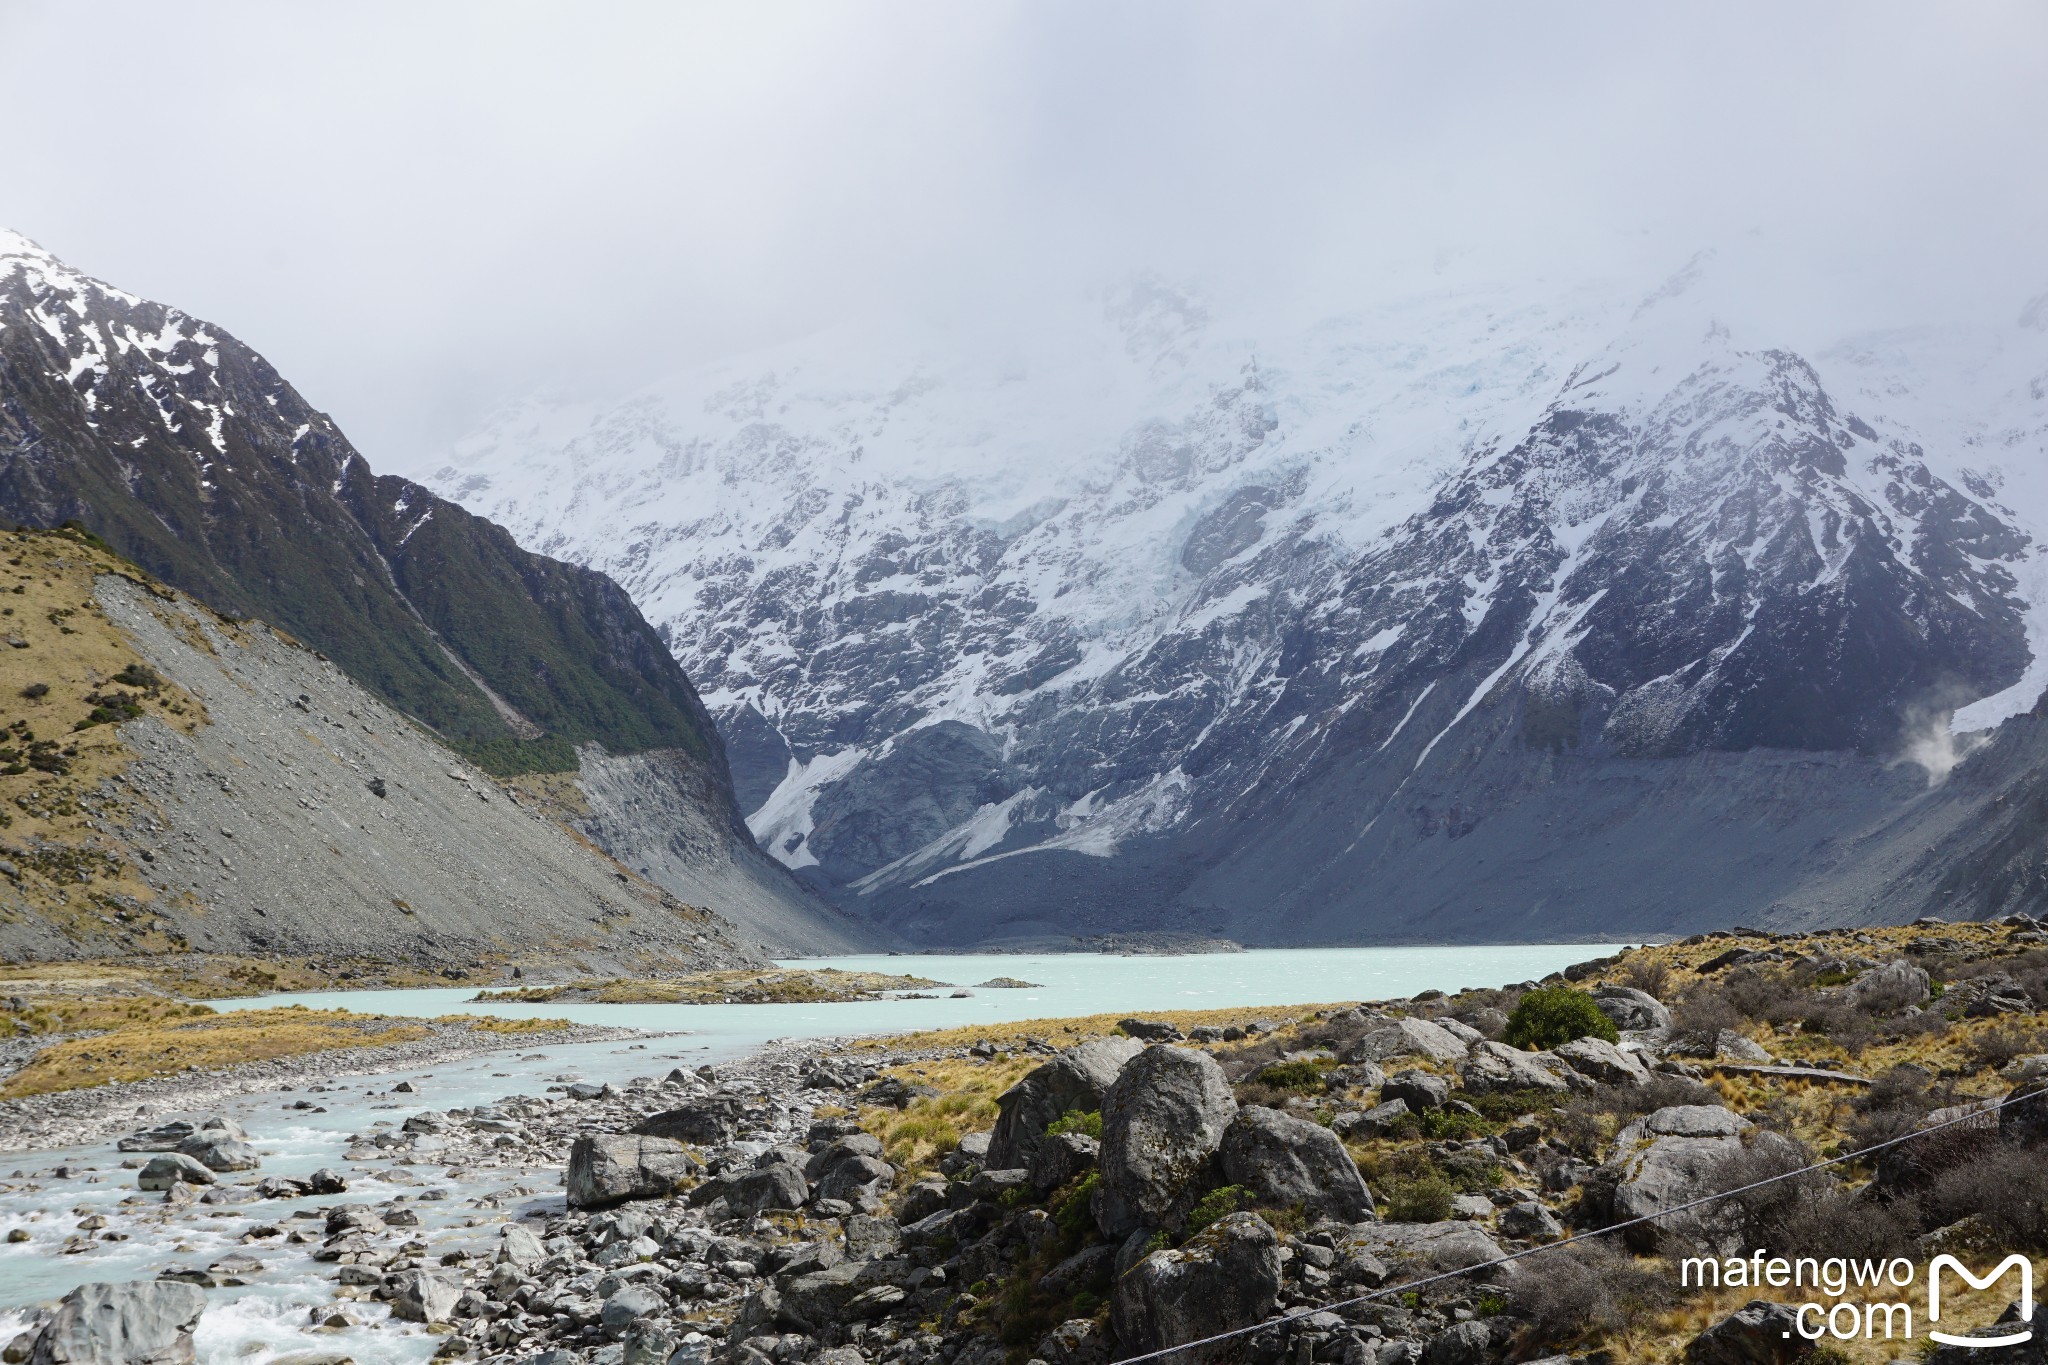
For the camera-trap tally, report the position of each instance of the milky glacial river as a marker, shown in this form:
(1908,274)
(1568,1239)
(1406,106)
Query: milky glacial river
(270,1316)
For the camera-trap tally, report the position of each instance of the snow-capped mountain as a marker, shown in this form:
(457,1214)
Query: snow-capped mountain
(188,453)
(1498,605)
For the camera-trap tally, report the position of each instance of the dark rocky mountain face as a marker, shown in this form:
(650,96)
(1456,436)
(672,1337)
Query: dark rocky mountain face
(188,454)
(1644,651)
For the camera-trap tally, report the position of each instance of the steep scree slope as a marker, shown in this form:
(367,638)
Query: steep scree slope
(179,781)
(191,456)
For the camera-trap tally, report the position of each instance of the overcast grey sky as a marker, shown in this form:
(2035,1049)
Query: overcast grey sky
(420,210)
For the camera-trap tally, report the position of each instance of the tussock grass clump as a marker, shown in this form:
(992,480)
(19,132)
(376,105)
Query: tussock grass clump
(915,1137)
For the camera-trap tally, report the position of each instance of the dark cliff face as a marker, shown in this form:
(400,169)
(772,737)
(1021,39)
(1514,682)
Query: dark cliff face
(190,455)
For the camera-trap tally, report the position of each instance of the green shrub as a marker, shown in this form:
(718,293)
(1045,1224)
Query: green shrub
(1419,1199)
(1086,1122)
(1296,1075)
(1072,1212)
(1555,1015)
(1444,1125)
(1217,1204)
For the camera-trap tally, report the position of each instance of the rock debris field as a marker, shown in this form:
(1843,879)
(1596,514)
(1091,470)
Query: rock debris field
(1013,1200)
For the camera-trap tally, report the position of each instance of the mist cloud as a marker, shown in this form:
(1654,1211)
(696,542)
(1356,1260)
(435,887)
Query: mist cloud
(420,211)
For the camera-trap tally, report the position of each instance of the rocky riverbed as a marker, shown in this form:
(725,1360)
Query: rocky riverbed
(1034,1195)
(76,1118)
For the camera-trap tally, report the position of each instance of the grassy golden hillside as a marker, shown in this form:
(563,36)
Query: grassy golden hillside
(68,678)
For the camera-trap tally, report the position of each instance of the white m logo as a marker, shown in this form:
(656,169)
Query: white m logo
(2026,1270)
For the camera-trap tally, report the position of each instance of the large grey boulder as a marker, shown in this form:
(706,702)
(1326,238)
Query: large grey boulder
(628,1306)
(520,1245)
(1496,1068)
(1077,1341)
(611,1168)
(1758,1333)
(1731,1046)
(1673,1156)
(1374,1122)
(715,1118)
(423,1296)
(839,1149)
(172,1168)
(164,1137)
(1417,1249)
(1162,1123)
(1467,1343)
(1062,1158)
(2017,1318)
(1530,1220)
(779,1186)
(1632,1011)
(1601,1061)
(217,1151)
(1076,1079)
(857,1180)
(1890,988)
(1419,1090)
(146,1323)
(1286,1161)
(1225,1277)
(1406,1038)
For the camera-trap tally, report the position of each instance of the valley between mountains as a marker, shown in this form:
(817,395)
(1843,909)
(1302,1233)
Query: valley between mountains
(1510,614)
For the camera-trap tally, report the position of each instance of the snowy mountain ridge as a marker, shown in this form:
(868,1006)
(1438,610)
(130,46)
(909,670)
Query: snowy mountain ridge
(1131,592)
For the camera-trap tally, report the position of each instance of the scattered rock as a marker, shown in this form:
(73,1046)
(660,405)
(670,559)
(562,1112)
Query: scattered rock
(1419,1090)
(1758,1333)
(1496,1068)
(1225,1277)
(1406,1038)
(612,1168)
(1162,1123)
(422,1296)
(143,1323)
(1077,1079)
(1632,1011)
(1287,1161)
(172,1168)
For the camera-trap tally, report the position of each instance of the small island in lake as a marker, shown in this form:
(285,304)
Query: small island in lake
(806,986)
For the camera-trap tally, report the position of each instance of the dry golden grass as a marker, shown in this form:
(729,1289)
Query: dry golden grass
(916,1137)
(1661,1338)
(216,976)
(480,1023)
(557,795)
(1066,1032)
(1877,941)
(164,1047)
(58,745)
